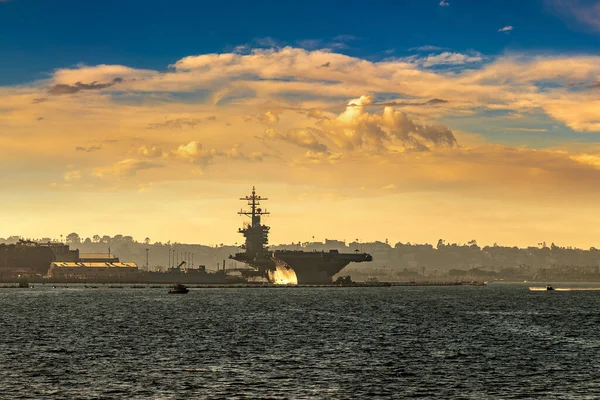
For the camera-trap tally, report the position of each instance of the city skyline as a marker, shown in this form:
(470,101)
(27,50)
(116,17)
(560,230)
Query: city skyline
(417,121)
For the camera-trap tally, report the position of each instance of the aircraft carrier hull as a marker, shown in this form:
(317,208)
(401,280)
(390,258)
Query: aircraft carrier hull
(318,267)
(310,267)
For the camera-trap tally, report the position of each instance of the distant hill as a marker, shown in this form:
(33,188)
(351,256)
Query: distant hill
(399,262)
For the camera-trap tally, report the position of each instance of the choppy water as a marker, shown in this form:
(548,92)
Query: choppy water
(498,342)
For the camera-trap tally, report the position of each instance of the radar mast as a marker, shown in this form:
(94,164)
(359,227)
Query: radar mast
(255,210)
(257,235)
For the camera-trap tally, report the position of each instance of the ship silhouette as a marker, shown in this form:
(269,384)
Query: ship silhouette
(310,267)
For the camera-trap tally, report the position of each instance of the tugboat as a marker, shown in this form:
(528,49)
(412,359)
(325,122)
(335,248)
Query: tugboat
(549,287)
(178,288)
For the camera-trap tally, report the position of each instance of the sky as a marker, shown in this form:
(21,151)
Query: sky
(408,120)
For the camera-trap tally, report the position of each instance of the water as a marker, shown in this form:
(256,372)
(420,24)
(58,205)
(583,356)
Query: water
(497,342)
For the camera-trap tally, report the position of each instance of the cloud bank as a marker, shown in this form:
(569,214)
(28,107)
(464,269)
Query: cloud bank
(290,114)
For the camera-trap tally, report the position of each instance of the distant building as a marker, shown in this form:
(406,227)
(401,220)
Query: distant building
(28,258)
(98,257)
(87,270)
(334,244)
(61,251)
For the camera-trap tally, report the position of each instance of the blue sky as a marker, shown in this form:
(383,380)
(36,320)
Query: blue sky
(37,36)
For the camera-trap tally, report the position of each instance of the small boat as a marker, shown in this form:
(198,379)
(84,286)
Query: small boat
(179,288)
(543,288)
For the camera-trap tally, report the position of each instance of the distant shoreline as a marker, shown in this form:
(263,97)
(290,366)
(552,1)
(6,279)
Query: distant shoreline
(146,285)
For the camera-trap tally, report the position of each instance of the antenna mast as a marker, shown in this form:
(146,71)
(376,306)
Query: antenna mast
(256,234)
(255,210)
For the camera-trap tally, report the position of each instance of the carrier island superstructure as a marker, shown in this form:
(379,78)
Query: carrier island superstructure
(309,267)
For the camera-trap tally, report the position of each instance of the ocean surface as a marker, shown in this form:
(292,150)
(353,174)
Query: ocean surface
(495,342)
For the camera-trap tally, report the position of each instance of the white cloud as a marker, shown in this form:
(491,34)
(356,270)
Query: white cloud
(526,129)
(444,3)
(267,42)
(125,168)
(426,48)
(242,49)
(72,176)
(99,73)
(150,151)
(345,38)
(235,154)
(448,58)
(195,152)
(357,130)
(586,13)
(310,44)
(269,118)
(507,28)
(292,77)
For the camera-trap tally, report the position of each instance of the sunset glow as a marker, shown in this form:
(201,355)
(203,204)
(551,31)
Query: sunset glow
(415,143)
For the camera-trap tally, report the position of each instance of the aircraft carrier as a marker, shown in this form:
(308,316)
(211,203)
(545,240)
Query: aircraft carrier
(309,267)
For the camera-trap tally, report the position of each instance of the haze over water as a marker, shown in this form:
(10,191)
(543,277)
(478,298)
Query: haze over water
(491,342)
